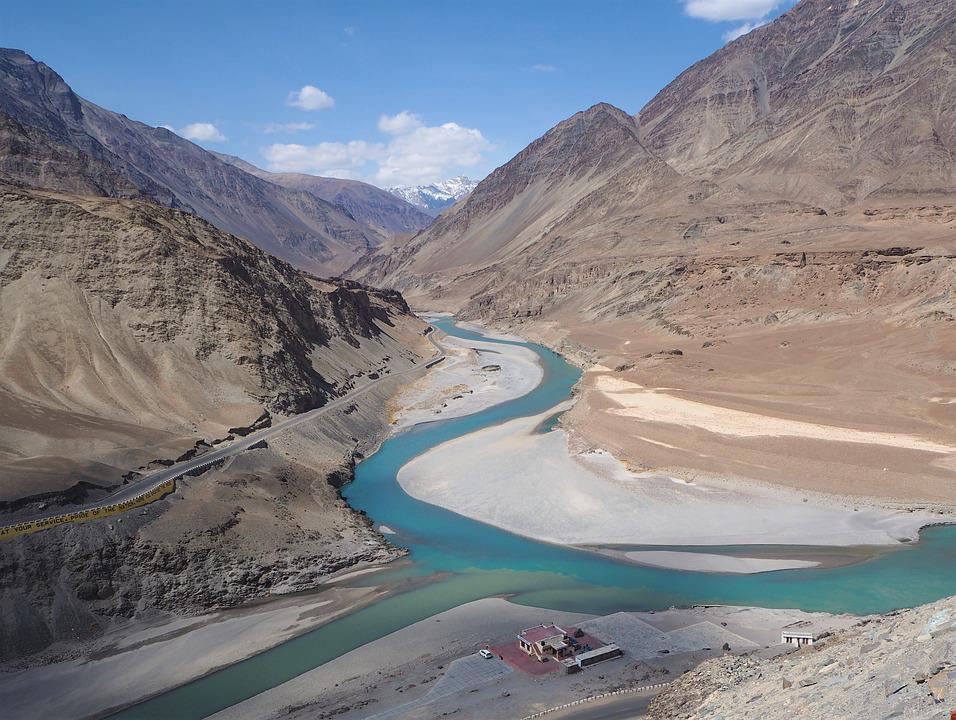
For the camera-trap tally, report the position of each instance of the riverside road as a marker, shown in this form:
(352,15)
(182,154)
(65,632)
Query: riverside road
(154,480)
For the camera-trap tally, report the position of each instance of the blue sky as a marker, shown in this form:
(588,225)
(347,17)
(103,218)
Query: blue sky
(395,92)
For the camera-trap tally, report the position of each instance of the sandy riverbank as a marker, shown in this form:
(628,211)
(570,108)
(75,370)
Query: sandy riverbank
(140,660)
(846,408)
(533,484)
(709,562)
(430,668)
(474,376)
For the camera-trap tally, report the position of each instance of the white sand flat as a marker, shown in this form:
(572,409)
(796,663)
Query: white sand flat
(709,562)
(474,376)
(530,484)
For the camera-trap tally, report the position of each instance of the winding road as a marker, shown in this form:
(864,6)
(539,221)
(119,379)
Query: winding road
(151,482)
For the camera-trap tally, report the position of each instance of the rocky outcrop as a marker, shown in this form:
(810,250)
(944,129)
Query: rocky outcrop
(64,586)
(171,280)
(30,157)
(127,329)
(896,665)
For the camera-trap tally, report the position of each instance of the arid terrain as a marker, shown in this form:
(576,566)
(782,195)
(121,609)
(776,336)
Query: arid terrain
(89,149)
(896,665)
(757,267)
(134,335)
(755,274)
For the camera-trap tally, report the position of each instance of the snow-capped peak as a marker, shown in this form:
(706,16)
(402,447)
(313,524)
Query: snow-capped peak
(434,198)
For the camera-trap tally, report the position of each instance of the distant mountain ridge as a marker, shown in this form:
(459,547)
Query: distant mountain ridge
(436,197)
(382,211)
(294,225)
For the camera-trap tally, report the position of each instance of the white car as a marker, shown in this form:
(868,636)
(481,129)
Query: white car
(486,654)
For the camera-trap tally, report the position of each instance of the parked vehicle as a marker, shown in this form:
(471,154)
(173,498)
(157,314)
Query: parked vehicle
(486,654)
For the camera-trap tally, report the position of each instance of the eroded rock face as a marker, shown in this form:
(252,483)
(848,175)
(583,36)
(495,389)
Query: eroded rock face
(167,279)
(895,665)
(69,584)
(833,103)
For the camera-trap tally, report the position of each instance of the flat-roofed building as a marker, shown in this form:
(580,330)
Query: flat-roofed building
(605,652)
(545,640)
(791,637)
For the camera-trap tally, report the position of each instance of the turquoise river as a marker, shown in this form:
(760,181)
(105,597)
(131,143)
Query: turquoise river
(456,560)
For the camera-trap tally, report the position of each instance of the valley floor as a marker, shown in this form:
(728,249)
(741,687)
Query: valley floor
(498,475)
(474,375)
(530,483)
(431,669)
(856,408)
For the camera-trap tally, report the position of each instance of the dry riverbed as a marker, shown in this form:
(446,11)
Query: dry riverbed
(474,375)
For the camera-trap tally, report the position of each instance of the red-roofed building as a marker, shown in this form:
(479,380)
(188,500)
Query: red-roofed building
(545,641)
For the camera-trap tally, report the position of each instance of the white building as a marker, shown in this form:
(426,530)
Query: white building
(791,637)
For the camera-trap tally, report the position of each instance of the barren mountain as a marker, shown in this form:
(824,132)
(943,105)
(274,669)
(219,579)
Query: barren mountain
(782,214)
(133,319)
(833,103)
(131,334)
(32,158)
(383,212)
(294,225)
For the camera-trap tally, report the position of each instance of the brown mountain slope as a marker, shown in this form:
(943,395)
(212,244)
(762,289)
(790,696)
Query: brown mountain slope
(30,157)
(378,209)
(833,110)
(833,103)
(294,225)
(590,166)
(123,324)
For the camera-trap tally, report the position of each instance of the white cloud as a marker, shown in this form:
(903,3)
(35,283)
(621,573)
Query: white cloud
(416,153)
(543,67)
(270,128)
(292,157)
(426,154)
(310,98)
(719,10)
(753,13)
(399,124)
(349,30)
(203,132)
(743,29)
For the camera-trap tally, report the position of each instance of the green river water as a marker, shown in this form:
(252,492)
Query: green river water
(457,560)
